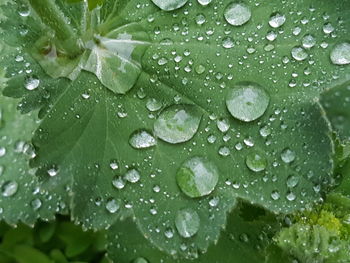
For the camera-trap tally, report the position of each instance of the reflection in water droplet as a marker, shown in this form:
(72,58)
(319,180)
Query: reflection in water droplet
(287,155)
(277,20)
(142,140)
(197,177)
(177,123)
(112,206)
(169,5)
(187,222)
(299,53)
(340,54)
(247,101)
(9,188)
(256,162)
(237,14)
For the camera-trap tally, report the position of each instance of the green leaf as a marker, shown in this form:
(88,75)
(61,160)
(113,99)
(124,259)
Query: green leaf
(243,241)
(27,254)
(21,197)
(197,58)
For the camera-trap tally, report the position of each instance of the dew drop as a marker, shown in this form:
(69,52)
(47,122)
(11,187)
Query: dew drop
(277,20)
(291,196)
(32,83)
(288,155)
(204,2)
(112,206)
(292,181)
(36,204)
(132,176)
(118,182)
(187,222)
(223,125)
(227,42)
(256,162)
(169,233)
(308,41)
(197,177)
(9,188)
(139,260)
(237,14)
(340,54)
(299,53)
(153,105)
(142,139)
(177,123)
(247,101)
(169,5)
(224,151)
(275,195)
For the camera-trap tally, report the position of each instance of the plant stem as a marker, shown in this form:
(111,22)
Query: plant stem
(53,17)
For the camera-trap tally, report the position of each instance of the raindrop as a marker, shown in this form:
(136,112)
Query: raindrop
(287,155)
(213,202)
(169,5)
(247,101)
(291,196)
(9,188)
(36,204)
(177,123)
(204,2)
(169,233)
(112,206)
(140,260)
(224,151)
(114,165)
(187,222)
(142,139)
(200,69)
(223,125)
(200,19)
(299,53)
(32,83)
(153,104)
(265,131)
(52,172)
(256,162)
(340,54)
(275,195)
(237,14)
(308,41)
(197,177)
(277,20)
(328,28)
(2,151)
(132,176)
(292,181)
(227,42)
(118,182)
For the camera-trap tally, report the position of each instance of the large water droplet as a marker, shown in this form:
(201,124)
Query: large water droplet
(197,177)
(247,101)
(277,20)
(142,139)
(177,123)
(169,5)
(288,155)
(340,54)
(9,188)
(237,14)
(299,53)
(256,162)
(187,222)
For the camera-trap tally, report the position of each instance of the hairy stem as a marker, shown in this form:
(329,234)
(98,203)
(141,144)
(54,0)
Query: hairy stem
(53,17)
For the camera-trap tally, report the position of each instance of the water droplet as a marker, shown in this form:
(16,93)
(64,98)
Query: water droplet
(277,20)
(114,165)
(204,2)
(187,222)
(271,36)
(256,162)
(227,42)
(247,101)
(265,131)
(224,151)
(169,233)
(153,104)
(287,155)
(223,125)
(9,188)
(112,206)
(308,41)
(275,195)
(292,181)
(52,172)
(237,14)
(140,260)
(200,19)
(200,69)
(32,83)
(291,196)
(177,123)
(36,204)
(118,182)
(340,54)
(142,139)
(213,202)
(132,176)
(2,151)
(299,53)
(169,5)
(197,177)
(328,28)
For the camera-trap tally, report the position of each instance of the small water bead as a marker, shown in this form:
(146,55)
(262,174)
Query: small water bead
(227,42)
(140,260)
(200,19)
(132,176)
(211,139)
(237,14)
(200,69)
(275,195)
(271,36)
(153,104)
(214,202)
(169,233)
(291,196)
(277,20)
(114,165)
(292,181)
(169,5)
(204,2)
(177,123)
(299,53)
(187,222)
(32,83)
(340,55)
(224,151)
(142,140)
(36,204)
(223,125)
(112,206)
(265,131)
(2,151)
(328,28)
(308,41)
(256,162)
(118,182)
(9,188)
(197,177)
(52,172)
(288,155)
(247,101)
